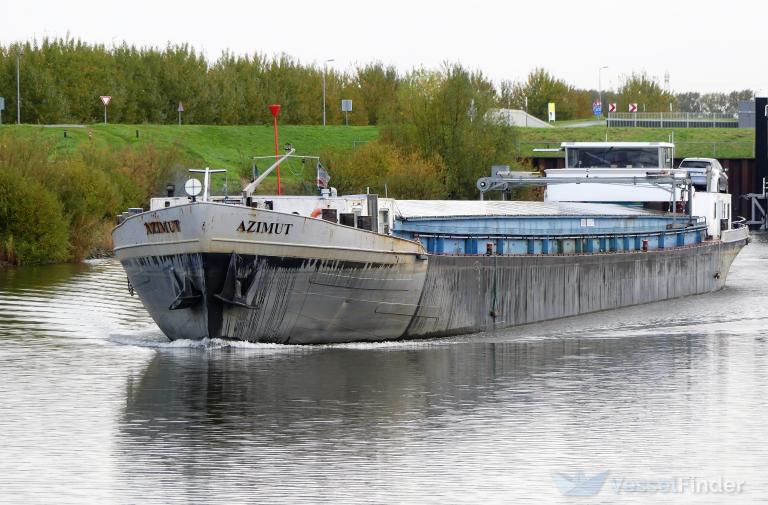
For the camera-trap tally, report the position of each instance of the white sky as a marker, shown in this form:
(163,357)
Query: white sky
(705,45)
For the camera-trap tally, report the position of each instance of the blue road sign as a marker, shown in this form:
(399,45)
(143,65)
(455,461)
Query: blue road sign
(597,108)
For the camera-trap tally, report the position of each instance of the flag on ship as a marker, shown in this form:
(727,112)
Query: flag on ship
(322,176)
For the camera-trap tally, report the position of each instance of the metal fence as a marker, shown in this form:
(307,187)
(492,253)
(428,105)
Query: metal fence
(672,120)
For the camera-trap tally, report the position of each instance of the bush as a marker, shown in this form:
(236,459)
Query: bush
(377,164)
(444,114)
(33,228)
(57,206)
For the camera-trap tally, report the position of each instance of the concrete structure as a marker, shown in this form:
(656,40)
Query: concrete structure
(516,117)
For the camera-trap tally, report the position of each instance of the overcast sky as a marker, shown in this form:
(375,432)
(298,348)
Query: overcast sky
(704,45)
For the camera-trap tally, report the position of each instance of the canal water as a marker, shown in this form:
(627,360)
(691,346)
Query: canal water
(662,403)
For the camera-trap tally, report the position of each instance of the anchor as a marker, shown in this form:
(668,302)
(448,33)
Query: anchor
(187,294)
(232,291)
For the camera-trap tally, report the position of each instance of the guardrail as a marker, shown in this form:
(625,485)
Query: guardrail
(672,120)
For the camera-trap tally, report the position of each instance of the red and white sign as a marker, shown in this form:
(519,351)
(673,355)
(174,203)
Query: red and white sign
(611,107)
(633,107)
(105,100)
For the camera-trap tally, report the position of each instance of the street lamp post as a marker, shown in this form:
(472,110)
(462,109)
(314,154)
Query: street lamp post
(600,87)
(325,66)
(18,89)
(526,111)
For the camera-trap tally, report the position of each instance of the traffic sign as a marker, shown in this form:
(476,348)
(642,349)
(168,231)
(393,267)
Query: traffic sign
(181,107)
(597,108)
(551,111)
(346,108)
(611,107)
(105,100)
(633,107)
(2,103)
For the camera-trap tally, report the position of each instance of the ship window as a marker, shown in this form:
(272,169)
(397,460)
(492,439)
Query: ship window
(616,157)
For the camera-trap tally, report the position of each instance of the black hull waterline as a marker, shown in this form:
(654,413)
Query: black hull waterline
(281,299)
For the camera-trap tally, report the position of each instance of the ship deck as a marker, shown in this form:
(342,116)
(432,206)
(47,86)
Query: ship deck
(514,227)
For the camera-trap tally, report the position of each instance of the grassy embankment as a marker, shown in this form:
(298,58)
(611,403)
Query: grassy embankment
(690,142)
(232,146)
(229,147)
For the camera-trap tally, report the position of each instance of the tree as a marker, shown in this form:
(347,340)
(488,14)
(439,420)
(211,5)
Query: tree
(541,88)
(688,102)
(443,113)
(641,89)
(376,85)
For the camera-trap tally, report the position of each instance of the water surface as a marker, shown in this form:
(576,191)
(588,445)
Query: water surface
(98,407)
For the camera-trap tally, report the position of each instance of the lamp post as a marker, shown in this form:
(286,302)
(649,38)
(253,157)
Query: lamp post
(600,87)
(18,88)
(275,110)
(325,66)
(526,110)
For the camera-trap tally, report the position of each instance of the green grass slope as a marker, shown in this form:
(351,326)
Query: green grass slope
(215,146)
(689,142)
(232,147)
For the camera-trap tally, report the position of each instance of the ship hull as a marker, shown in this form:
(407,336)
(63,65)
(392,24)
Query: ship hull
(280,299)
(211,279)
(221,271)
(498,292)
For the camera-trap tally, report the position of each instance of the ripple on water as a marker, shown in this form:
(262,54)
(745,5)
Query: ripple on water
(89,303)
(98,406)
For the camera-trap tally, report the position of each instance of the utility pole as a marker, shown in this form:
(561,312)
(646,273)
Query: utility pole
(325,66)
(600,87)
(18,88)
(526,111)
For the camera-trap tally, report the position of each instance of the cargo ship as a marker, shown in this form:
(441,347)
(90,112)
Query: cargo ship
(618,226)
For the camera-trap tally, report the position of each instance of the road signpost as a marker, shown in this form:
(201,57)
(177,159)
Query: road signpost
(180,110)
(597,108)
(346,108)
(105,100)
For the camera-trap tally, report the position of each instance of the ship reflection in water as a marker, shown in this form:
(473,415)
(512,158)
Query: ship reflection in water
(676,390)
